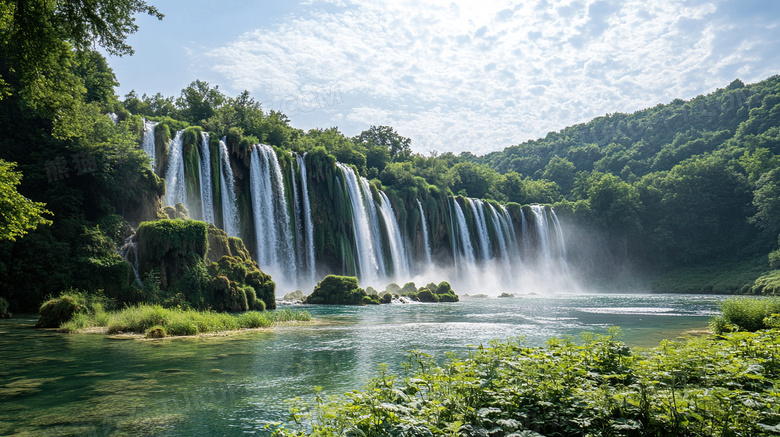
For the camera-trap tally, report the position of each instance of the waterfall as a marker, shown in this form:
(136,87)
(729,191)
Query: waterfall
(511,236)
(490,251)
(206,198)
(368,264)
(113,117)
(227,187)
(176,191)
(397,250)
(559,237)
(503,252)
(297,218)
(307,218)
(131,247)
(373,219)
(542,232)
(483,238)
(148,141)
(275,252)
(463,237)
(524,232)
(425,234)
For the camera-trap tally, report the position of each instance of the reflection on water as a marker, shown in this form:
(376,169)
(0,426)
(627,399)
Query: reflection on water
(55,384)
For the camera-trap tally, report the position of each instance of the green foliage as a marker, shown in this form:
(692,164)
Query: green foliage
(144,318)
(745,313)
(697,387)
(18,214)
(56,311)
(768,284)
(4,313)
(774,259)
(340,290)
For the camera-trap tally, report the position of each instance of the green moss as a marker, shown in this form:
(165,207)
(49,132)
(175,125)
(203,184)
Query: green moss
(433,293)
(220,244)
(340,290)
(156,331)
(240,273)
(171,247)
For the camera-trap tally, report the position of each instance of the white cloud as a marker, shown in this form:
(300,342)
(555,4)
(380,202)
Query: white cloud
(482,76)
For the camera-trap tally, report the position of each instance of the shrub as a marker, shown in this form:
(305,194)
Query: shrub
(774,259)
(4,313)
(56,311)
(745,314)
(697,387)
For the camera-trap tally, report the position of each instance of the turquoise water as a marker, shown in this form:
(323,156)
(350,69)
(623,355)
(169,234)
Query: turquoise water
(90,384)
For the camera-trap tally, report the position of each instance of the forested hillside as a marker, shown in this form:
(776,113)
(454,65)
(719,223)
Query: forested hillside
(686,183)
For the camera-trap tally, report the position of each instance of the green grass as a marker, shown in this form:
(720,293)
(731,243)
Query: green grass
(697,387)
(745,314)
(177,322)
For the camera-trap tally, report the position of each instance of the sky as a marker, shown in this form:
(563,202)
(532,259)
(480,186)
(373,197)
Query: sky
(456,76)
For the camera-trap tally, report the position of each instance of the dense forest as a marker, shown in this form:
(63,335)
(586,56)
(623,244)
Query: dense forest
(674,188)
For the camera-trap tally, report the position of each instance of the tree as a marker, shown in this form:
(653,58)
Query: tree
(400,148)
(766,199)
(473,179)
(614,203)
(18,214)
(36,38)
(199,102)
(561,171)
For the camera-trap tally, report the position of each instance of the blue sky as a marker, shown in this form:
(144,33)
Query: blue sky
(453,76)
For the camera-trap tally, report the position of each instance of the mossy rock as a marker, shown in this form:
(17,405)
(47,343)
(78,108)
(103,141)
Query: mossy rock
(246,273)
(156,331)
(171,247)
(393,288)
(295,295)
(340,290)
(227,295)
(426,295)
(220,244)
(433,293)
(409,287)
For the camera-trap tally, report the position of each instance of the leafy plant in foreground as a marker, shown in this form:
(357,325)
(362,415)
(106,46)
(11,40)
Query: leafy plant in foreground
(695,387)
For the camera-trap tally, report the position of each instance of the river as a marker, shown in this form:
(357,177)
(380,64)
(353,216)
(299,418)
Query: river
(91,384)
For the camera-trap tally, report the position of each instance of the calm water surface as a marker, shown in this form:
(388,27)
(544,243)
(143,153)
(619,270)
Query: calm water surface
(89,384)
